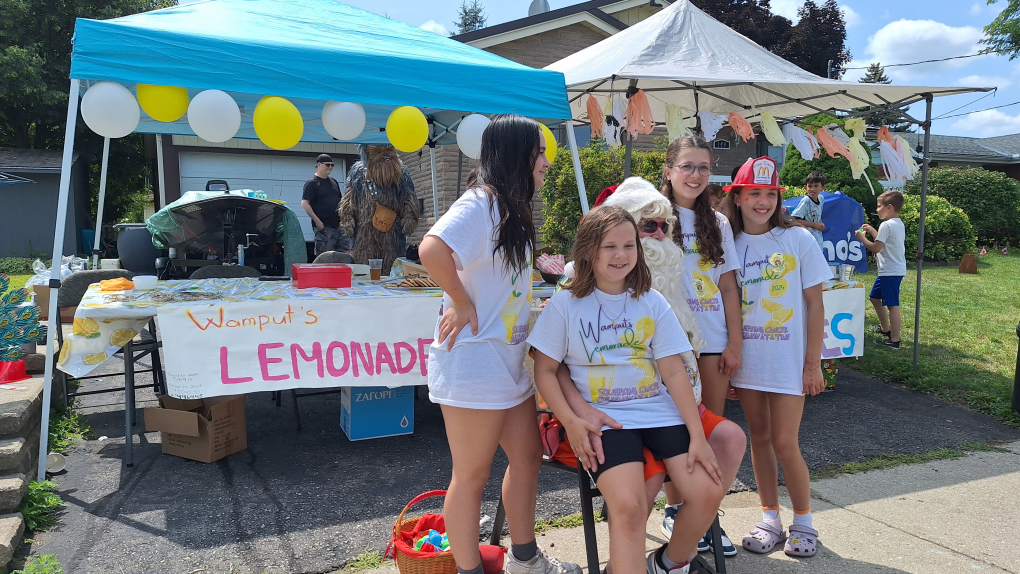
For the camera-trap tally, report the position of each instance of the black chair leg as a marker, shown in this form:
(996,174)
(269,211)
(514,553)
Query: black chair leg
(720,558)
(129,403)
(588,518)
(158,376)
(497,523)
(297,415)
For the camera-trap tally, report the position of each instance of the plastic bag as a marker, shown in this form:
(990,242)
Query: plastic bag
(68,264)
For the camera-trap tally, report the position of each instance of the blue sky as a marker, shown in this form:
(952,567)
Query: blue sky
(886,31)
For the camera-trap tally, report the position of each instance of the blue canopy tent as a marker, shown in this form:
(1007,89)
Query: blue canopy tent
(310,52)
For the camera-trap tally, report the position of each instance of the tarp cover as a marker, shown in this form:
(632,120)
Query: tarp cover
(681,43)
(312,51)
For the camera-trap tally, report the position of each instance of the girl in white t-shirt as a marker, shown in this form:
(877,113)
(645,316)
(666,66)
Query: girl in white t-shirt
(780,275)
(479,252)
(622,344)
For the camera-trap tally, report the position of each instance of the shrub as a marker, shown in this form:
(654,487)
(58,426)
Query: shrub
(602,167)
(948,233)
(837,170)
(16,265)
(40,506)
(989,198)
(42,564)
(794,191)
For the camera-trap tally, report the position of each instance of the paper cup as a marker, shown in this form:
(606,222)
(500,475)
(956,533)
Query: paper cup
(55,462)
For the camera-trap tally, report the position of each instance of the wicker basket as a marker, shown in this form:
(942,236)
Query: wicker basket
(411,561)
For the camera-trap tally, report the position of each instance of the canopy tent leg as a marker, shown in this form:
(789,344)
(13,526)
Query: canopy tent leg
(576,159)
(435,191)
(161,177)
(102,200)
(58,247)
(920,227)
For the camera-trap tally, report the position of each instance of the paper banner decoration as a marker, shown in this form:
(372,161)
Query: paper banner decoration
(771,130)
(862,157)
(741,126)
(596,118)
(639,115)
(805,143)
(675,125)
(710,124)
(832,146)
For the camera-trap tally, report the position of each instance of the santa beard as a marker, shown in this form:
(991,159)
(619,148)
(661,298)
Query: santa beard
(666,262)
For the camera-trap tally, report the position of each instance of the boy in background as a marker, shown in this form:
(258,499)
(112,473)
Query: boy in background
(808,212)
(892,265)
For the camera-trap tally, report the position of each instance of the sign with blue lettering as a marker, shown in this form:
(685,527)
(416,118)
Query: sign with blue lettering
(842,217)
(844,322)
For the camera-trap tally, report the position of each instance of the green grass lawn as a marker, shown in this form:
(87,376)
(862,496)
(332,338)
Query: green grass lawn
(968,341)
(18,281)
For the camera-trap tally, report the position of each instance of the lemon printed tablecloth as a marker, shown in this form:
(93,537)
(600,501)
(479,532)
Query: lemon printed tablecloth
(105,321)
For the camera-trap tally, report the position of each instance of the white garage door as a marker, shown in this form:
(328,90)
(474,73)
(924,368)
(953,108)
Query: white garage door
(281,177)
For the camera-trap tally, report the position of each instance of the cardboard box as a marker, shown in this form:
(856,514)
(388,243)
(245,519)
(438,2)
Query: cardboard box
(374,412)
(328,275)
(42,301)
(205,430)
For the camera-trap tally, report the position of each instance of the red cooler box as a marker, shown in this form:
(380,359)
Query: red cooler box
(329,275)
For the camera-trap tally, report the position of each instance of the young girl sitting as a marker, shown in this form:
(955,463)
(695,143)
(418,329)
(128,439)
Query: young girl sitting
(622,344)
(780,275)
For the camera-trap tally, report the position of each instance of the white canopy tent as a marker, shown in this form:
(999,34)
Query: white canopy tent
(683,56)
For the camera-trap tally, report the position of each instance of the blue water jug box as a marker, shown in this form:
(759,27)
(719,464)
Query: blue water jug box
(375,412)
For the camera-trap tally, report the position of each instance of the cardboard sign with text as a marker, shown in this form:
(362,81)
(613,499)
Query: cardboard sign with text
(844,323)
(234,348)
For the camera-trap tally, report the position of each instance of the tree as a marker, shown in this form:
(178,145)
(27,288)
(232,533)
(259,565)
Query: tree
(819,36)
(470,17)
(35,65)
(1003,34)
(752,18)
(875,74)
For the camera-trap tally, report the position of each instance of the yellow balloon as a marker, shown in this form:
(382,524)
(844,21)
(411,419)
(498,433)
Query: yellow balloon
(278,122)
(550,142)
(163,103)
(407,129)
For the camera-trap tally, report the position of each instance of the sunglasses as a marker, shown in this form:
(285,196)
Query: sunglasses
(327,164)
(650,225)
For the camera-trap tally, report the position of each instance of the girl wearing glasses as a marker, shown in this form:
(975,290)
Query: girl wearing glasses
(706,239)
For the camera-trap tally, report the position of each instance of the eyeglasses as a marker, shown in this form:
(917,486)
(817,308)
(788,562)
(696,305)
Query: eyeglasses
(688,169)
(650,225)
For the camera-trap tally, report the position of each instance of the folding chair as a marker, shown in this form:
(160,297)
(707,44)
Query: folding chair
(589,492)
(72,289)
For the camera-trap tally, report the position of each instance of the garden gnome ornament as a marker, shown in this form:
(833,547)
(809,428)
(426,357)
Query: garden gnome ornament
(379,208)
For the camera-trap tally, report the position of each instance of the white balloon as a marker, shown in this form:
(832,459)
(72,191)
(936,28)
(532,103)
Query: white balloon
(214,116)
(469,135)
(110,110)
(343,120)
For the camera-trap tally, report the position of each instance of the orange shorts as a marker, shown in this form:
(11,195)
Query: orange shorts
(709,421)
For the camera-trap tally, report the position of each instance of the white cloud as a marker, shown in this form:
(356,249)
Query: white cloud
(851,17)
(906,41)
(978,81)
(787,8)
(436,27)
(975,9)
(987,123)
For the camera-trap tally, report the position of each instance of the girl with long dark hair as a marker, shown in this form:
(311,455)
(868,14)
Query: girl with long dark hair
(479,252)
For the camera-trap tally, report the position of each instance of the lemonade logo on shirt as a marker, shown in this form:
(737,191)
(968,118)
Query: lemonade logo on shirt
(632,336)
(773,269)
(705,291)
(517,304)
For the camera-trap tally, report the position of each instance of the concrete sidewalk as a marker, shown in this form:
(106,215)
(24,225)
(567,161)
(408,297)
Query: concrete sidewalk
(944,516)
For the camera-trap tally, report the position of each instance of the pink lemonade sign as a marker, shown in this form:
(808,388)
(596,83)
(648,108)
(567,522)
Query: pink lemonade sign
(232,348)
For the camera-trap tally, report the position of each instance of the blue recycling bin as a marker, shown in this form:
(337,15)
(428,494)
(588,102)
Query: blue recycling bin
(88,239)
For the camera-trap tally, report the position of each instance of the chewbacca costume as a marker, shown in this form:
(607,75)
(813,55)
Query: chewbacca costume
(379,208)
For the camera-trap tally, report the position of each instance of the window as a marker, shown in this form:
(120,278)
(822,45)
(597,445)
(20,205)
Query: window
(721,144)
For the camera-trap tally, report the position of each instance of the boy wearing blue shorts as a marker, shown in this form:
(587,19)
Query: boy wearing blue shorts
(892,265)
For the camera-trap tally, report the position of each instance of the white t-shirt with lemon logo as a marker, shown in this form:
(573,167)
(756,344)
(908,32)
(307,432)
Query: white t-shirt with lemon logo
(701,280)
(775,268)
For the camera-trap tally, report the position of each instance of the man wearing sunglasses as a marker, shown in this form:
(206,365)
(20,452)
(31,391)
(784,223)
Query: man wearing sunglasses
(320,199)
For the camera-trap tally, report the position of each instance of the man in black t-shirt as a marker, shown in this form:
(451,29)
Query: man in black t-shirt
(320,199)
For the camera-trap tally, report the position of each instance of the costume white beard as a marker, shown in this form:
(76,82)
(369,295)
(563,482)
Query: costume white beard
(666,262)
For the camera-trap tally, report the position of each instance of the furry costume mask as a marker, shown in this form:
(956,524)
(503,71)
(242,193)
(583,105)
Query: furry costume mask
(382,164)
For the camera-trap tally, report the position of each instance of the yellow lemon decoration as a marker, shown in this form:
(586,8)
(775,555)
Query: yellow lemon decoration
(789,263)
(94,358)
(122,337)
(771,326)
(65,352)
(776,260)
(704,264)
(278,122)
(778,288)
(770,306)
(407,129)
(163,103)
(703,285)
(782,315)
(550,142)
(86,327)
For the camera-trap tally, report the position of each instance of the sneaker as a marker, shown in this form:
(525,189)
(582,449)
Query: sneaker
(727,547)
(539,564)
(888,343)
(732,395)
(879,331)
(654,564)
(667,520)
(703,544)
